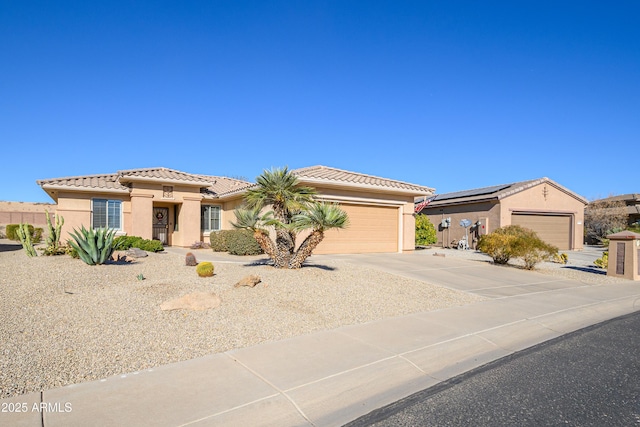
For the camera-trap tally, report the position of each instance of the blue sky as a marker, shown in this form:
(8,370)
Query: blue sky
(448,94)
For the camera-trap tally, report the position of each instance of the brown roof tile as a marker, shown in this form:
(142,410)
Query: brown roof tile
(325,174)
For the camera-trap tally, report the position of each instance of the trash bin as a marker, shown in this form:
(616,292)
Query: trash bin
(624,251)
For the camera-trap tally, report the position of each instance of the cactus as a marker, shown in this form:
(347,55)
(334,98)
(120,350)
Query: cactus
(93,246)
(190,259)
(25,238)
(53,238)
(204,269)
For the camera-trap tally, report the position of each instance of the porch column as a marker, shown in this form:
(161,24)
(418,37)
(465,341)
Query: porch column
(142,215)
(189,221)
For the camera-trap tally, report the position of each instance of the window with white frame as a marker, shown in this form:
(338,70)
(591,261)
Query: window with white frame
(106,214)
(210,218)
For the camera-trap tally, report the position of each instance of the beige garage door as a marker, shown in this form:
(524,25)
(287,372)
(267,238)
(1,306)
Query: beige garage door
(371,229)
(553,229)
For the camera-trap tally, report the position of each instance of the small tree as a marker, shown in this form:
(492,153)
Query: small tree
(293,209)
(603,217)
(425,231)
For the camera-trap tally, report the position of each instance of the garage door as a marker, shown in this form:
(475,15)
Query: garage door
(553,229)
(371,229)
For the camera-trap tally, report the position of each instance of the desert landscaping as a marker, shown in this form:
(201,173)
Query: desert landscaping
(65,322)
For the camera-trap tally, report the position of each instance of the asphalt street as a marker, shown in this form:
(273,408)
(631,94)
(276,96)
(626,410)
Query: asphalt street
(590,377)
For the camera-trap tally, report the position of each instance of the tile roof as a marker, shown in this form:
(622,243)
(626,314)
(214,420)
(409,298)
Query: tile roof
(496,192)
(212,186)
(329,175)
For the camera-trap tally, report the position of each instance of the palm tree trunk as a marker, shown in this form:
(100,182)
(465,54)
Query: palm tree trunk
(306,248)
(284,249)
(265,243)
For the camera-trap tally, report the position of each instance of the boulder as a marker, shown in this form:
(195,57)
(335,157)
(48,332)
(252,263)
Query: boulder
(196,301)
(136,253)
(250,281)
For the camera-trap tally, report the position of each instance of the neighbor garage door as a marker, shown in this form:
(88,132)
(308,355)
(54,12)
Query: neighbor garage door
(553,229)
(371,229)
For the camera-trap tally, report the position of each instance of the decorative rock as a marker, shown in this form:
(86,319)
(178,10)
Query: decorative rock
(136,253)
(437,254)
(250,281)
(196,301)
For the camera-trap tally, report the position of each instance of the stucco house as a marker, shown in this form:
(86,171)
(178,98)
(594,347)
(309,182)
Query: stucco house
(180,208)
(553,211)
(631,202)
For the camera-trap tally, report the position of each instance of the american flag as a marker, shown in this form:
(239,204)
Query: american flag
(423,204)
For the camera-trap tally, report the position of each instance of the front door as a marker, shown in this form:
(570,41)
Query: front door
(161,225)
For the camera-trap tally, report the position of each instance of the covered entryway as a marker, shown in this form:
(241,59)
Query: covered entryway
(161,225)
(371,229)
(551,228)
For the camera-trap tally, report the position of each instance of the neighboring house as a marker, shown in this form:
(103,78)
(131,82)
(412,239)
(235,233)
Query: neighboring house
(553,211)
(632,203)
(179,208)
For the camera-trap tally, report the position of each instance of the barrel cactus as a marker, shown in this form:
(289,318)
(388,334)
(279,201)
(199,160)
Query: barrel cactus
(190,259)
(204,269)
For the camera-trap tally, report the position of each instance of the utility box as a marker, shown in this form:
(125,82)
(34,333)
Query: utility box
(624,253)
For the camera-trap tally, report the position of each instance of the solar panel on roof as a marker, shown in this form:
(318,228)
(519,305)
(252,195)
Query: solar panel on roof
(472,193)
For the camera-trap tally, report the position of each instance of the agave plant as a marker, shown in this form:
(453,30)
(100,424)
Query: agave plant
(93,246)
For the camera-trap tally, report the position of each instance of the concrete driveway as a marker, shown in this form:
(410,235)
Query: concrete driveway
(473,276)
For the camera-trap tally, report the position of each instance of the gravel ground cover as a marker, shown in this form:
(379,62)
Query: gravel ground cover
(64,322)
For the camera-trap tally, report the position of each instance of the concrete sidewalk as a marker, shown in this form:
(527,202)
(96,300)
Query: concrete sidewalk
(332,377)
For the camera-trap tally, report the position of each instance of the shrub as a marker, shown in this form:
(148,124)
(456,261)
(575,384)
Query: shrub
(514,241)
(34,233)
(425,231)
(561,258)
(190,259)
(122,243)
(11,231)
(204,269)
(498,246)
(94,247)
(218,240)
(602,262)
(242,242)
(199,245)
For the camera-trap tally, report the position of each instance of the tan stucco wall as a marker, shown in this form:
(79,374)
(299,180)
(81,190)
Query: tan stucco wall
(75,208)
(138,207)
(556,201)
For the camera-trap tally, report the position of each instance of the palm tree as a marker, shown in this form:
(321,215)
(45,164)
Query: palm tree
(279,189)
(293,210)
(319,218)
(250,219)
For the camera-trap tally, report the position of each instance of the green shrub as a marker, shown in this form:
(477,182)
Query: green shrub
(218,240)
(122,243)
(602,262)
(242,242)
(11,231)
(94,247)
(34,233)
(204,269)
(514,241)
(425,231)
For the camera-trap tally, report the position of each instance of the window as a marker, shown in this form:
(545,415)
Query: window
(107,214)
(210,218)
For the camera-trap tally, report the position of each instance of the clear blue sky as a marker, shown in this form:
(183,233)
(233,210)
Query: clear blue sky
(449,94)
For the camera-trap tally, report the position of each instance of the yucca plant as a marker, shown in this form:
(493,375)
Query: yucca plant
(94,247)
